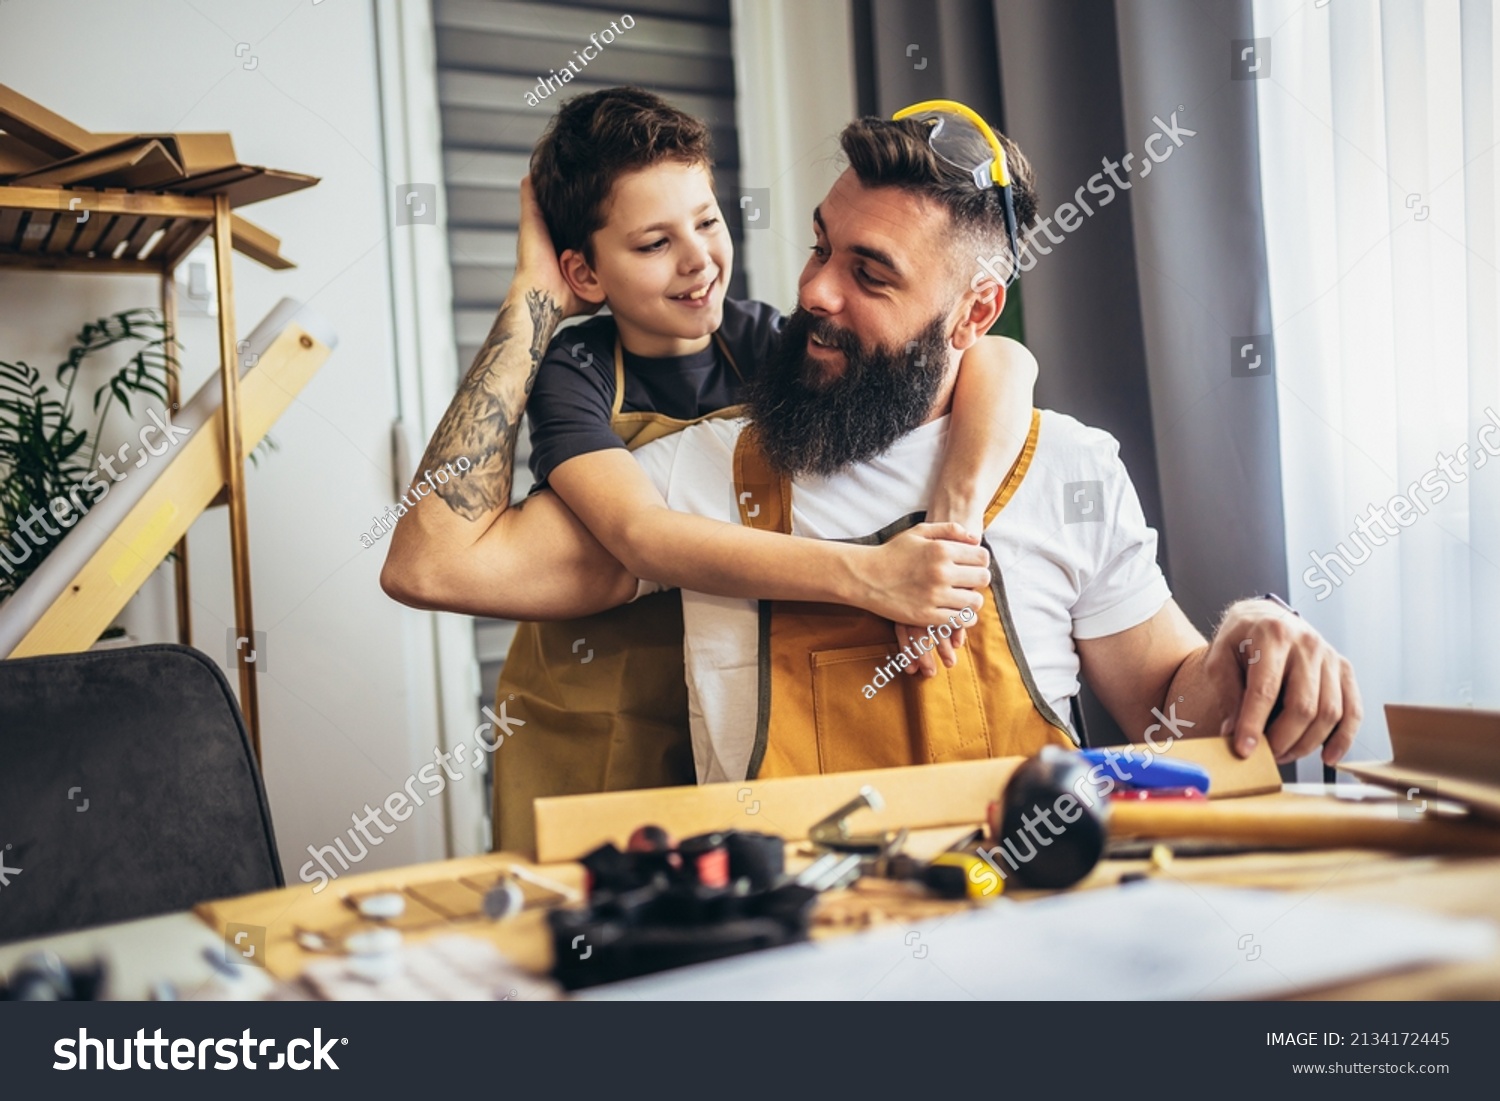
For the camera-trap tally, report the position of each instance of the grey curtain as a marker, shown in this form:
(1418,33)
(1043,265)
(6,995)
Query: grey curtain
(1201,255)
(1139,315)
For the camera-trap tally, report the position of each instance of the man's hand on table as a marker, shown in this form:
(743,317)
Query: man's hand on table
(1263,653)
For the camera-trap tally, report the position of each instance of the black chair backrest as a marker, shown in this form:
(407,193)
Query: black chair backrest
(127,789)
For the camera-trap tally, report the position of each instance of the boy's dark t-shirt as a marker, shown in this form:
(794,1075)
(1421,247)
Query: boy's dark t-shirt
(570,403)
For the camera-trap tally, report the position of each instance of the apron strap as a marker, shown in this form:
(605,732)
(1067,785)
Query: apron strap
(1012,481)
(620,370)
(764,495)
(728,355)
(619,379)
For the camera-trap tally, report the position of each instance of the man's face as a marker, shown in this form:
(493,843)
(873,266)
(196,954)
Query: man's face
(663,259)
(880,267)
(867,356)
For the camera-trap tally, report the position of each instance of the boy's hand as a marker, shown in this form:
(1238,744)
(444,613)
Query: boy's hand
(945,507)
(926,575)
(536,259)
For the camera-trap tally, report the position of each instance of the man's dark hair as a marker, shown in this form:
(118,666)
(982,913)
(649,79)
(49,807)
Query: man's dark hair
(595,139)
(885,153)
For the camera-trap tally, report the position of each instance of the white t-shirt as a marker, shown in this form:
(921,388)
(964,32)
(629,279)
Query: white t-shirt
(1074,549)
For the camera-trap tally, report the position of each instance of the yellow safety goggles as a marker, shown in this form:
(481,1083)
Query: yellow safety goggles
(963,139)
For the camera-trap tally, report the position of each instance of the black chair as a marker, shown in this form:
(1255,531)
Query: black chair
(127,789)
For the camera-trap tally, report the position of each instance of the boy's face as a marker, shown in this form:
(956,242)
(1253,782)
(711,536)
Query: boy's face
(663,259)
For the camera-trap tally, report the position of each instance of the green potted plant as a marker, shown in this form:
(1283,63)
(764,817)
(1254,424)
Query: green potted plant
(45,454)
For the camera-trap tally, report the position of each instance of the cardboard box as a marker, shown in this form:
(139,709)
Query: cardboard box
(1440,753)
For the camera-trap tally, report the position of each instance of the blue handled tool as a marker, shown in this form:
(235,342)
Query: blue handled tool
(1147,770)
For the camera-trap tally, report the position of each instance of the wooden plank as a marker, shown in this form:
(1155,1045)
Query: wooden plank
(35,232)
(110,202)
(96,227)
(134,164)
(183,235)
(1230,776)
(258,244)
(46,261)
(17,157)
(1447,752)
(64,228)
(197,151)
(917,796)
(121,231)
(1285,821)
(40,128)
(154,525)
(142,234)
(282,912)
(249,239)
(10,228)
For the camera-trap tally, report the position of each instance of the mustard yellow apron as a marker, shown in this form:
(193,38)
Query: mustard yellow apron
(814,715)
(604,698)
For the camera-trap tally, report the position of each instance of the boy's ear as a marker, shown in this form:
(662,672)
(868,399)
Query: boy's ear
(978,311)
(580,276)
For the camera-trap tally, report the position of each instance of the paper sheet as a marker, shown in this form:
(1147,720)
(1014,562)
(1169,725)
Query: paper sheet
(1148,941)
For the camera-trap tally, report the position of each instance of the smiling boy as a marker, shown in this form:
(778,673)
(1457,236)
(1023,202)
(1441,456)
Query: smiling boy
(624,182)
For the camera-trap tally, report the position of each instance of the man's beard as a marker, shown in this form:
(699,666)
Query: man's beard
(813,424)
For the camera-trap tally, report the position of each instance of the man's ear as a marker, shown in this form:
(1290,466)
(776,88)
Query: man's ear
(978,310)
(580,276)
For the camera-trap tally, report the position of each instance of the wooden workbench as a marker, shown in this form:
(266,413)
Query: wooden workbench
(1459,886)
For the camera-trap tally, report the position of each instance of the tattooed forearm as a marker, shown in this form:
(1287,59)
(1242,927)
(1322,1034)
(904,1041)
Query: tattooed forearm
(545,315)
(484,419)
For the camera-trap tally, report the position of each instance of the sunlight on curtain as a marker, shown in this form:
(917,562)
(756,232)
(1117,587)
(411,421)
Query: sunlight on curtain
(1378,133)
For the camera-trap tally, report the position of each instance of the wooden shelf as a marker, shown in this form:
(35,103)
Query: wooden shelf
(80,222)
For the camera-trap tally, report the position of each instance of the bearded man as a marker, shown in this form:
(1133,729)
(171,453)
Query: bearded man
(844,438)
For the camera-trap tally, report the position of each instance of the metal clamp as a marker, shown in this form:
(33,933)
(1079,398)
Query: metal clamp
(833,832)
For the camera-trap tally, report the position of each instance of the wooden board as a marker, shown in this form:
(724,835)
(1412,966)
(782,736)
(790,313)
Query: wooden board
(1231,776)
(918,796)
(433,891)
(154,525)
(144,165)
(1462,886)
(1284,821)
(1446,752)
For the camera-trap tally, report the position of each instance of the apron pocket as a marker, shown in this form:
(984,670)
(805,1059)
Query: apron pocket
(855,730)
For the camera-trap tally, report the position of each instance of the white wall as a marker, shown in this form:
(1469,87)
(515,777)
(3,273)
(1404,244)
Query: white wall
(795,73)
(348,694)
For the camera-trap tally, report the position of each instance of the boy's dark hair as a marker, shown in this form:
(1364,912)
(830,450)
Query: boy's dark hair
(595,139)
(885,153)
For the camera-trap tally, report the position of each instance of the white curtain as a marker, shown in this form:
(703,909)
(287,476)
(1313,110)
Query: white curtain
(1378,131)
